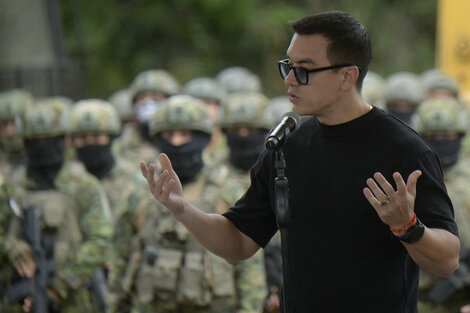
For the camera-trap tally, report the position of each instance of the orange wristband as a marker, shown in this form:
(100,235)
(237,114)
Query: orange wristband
(404,228)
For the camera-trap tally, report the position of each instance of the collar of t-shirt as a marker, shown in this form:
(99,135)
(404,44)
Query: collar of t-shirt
(346,128)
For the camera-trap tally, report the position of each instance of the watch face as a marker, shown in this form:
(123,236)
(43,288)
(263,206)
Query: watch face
(414,233)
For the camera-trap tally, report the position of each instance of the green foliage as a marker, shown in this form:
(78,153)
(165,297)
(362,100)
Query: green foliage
(193,38)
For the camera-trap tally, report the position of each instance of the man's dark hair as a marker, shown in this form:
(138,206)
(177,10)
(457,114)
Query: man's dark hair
(349,40)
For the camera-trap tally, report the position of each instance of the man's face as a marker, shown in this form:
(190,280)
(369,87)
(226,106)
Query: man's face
(177,137)
(91,139)
(321,92)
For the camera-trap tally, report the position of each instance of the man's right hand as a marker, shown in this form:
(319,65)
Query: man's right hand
(22,259)
(166,188)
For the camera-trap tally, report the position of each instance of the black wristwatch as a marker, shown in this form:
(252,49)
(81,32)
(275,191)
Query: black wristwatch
(414,233)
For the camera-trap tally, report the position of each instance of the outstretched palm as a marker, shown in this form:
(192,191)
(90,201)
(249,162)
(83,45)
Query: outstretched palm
(166,187)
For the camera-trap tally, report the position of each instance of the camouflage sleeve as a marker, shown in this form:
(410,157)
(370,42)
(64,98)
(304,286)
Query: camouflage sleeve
(251,284)
(96,226)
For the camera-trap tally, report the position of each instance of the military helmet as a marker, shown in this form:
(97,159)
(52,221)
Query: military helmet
(435,79)
(403,87)
(94,116)
(121,100)
(373,89)
(181,112)
(276,108)
(205,88)
(239,79)
(13,103)
(46,118)
(441,115)
(244,110)
(159,81)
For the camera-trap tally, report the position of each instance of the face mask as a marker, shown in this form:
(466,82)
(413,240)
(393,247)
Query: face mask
(447,149)
(244,150)
(403,116)
(146,109)
(186,159)
(97,159)
(44,160)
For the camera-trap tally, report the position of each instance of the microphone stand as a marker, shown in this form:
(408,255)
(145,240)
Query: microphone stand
(283,219)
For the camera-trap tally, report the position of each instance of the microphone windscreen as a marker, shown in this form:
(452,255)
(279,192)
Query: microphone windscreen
(295,118)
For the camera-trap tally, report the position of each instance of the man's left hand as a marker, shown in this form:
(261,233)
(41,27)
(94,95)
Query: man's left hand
(395,208)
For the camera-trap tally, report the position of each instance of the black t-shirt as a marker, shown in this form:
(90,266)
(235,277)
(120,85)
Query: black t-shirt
(343,258)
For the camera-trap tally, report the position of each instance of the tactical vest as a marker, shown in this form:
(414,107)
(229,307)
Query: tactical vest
(59,220)
(173,268)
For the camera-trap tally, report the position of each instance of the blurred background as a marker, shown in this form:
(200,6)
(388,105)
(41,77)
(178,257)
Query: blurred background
(85,48)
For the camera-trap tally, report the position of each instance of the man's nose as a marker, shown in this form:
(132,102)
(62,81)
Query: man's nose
(290,79)
(177,140)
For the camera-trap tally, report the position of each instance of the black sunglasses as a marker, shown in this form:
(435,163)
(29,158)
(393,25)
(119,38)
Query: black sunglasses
(301,74)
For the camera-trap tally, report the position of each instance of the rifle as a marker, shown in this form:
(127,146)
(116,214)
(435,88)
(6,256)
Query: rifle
(459,279)
(35,287)
(99,288)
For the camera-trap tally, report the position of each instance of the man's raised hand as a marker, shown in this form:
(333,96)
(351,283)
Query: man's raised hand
(394,207)
(166,187)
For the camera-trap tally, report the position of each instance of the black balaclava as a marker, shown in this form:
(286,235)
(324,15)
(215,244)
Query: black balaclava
(98,159)
(44,160)
(447,149)
(186,159)
(244,150)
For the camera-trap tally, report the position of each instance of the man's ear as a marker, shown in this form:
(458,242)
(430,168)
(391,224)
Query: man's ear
(350,75)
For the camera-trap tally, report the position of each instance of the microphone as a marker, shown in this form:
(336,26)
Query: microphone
(290,121)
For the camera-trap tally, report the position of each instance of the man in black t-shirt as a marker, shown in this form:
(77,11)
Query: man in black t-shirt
(359,231)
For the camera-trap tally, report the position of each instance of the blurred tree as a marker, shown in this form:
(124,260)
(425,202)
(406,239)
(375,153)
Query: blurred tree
(200,37)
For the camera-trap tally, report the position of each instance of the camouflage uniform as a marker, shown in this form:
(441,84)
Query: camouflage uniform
(249,110)
(132,145)
(212,93)
(74,214)
(166,269)
(6,269)
(447,116)
(403,90)
(12,105)
(98,117)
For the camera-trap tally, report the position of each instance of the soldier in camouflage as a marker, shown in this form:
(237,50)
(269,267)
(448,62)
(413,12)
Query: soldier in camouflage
(166,268)
(211,92)
(93,125)
(443,122)
(246,121)
(12,107)
(73,210)
(403,93)
(147,91)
